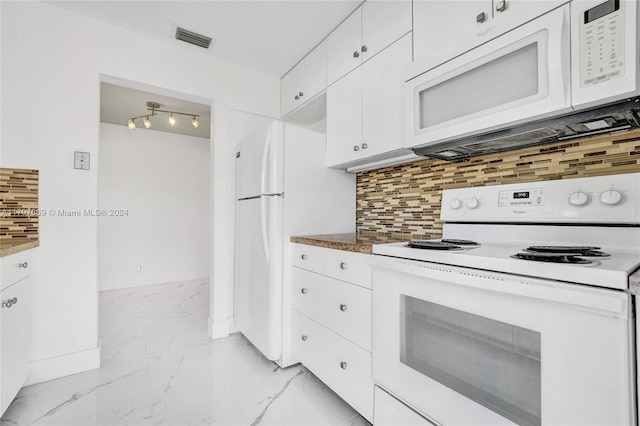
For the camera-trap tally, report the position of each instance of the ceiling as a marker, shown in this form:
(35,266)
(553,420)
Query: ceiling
(265,35)
(118,104)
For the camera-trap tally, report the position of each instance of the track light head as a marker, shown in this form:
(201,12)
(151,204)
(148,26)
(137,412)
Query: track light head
(147,122)
(195,122)
(131,124)
(172,120)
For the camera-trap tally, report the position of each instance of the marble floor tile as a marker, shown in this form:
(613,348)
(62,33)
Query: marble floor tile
(159,367)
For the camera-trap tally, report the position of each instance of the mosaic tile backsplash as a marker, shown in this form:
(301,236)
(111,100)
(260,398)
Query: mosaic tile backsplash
(405,200)
(18,206)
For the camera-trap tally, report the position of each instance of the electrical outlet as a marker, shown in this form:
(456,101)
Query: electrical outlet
(81,160)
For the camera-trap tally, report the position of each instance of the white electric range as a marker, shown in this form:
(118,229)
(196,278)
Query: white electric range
(522,314)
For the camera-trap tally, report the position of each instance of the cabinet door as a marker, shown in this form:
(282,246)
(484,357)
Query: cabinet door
(15,340)
(382,99)
(383,22)
(443,29)
(343,47)
(305,81)
(344,119)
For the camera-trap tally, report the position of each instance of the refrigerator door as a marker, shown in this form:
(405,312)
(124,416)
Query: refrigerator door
(258,300)
(260,163)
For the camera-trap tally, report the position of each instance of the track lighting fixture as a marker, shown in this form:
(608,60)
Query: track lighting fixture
(154,108)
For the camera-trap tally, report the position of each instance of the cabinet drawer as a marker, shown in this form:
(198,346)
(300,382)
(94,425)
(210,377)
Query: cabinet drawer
(307,257)
(341,365)
(348,266)
(13,268)
(342,307)
(15,340)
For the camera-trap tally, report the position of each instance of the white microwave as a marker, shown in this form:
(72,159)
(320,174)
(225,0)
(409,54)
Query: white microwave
(526,86)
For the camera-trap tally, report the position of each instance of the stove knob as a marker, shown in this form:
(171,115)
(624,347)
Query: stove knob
(455,203)
(473,203)
(611,198)
(579,199)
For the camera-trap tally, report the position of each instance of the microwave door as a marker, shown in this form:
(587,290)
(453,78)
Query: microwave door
(518,77)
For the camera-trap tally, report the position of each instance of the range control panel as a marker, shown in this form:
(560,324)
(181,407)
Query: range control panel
(602,43)
(523,197)
(595,200)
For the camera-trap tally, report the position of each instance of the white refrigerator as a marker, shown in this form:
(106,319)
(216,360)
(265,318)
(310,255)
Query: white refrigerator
(283,188)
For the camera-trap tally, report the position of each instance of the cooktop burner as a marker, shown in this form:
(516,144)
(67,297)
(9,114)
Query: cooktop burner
(570,258)
(585,251)
(444,244)
(433,245)
(457,242)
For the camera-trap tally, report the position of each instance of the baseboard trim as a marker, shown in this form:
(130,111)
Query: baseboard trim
(43,370)
(219,330)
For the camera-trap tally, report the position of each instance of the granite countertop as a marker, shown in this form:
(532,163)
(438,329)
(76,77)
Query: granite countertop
(12,247)
(360,243)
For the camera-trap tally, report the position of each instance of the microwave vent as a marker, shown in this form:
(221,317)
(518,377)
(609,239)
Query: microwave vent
(616,117)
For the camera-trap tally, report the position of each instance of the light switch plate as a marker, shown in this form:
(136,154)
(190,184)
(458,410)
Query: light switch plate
(81,160)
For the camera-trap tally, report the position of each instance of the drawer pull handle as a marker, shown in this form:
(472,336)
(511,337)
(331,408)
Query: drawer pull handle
(304,291)
(481,17)
(296,97)
(363,48)
(343,365)
(501,6)
(10,302)
(343,265)
(23,265)
(343,308)
(304,337)
(356,54)
(303,257)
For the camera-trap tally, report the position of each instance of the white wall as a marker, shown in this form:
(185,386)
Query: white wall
(52,63)
(162,181)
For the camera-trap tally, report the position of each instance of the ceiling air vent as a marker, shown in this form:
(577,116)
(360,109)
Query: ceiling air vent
(193,38)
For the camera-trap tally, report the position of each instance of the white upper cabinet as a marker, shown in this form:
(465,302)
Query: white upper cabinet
(382,99)
(444,29)
(304,81)
(371,28)
(365,107)
(383,22)
(344,119)
(343,47)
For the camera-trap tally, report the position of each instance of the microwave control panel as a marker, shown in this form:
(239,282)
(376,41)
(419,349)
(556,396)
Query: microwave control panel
(602,43)
(529,197)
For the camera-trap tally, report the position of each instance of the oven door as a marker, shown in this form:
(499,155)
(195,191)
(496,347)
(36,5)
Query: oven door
(469,347)
(517,77)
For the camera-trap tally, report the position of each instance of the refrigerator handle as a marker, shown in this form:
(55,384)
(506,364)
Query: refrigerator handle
(265,157)
(263,227)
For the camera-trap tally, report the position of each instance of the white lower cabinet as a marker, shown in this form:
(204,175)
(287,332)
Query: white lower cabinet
(340,364)
(331,321)
(15,340)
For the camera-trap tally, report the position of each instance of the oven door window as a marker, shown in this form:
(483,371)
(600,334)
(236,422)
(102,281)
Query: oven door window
(493,363)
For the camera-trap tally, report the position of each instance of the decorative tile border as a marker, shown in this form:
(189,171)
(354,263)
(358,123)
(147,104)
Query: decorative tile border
(404,200)
(18,207)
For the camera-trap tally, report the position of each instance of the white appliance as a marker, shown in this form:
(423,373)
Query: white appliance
(282,188)
(569,73)
(532,325)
